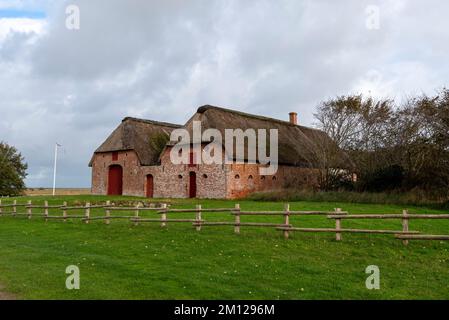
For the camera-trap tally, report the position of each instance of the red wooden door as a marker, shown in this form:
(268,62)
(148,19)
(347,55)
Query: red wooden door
(115,180)
(192,185)
(150,186)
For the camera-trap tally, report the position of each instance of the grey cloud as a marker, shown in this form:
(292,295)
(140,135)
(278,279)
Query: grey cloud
(115,35)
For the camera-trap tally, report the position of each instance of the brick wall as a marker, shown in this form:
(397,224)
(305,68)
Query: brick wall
(243,179)
(133,182)
(170,181)
(213,181)
(210,179)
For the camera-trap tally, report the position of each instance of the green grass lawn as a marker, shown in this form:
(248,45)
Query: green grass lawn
(123,261)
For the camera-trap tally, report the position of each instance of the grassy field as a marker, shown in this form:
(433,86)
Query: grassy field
(59,191)
(123,261)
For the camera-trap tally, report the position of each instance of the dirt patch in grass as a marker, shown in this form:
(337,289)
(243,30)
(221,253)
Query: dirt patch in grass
(5,295)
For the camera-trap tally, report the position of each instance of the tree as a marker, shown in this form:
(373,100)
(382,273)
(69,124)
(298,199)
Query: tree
(339,118)
(393,147)
(12,171)
(158,141)
(422,136)
(359,127)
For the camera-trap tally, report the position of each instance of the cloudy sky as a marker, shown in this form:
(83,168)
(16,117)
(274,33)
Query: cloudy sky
(162,59)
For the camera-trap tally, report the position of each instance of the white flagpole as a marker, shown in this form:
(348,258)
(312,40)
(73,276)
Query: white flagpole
(54,169)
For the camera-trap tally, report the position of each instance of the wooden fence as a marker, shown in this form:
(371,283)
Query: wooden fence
(133,214)
(405,234)
(340,215)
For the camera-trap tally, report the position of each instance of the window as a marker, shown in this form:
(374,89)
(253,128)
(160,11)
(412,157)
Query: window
(262,178)
(237,176)
(250,177)
(180,176)
(205,176)
(115,156)
(274,178)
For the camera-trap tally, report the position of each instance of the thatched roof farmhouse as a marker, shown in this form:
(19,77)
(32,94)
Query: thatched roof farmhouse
(135,158)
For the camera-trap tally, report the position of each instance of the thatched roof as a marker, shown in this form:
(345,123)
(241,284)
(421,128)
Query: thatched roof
(297,145)
(138,135)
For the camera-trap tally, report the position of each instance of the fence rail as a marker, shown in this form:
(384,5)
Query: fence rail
(390,216)
(405,235)
(331,230)
(198,221)
(422,237)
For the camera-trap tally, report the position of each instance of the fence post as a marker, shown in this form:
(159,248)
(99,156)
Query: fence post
(164,215)
(108,213)
(198,217)
(237,218)
(405,225)
(338,225)
(286,220)
(29,210)
(136,214)
(87,212)
(14,208)
(64,211)
(46,210)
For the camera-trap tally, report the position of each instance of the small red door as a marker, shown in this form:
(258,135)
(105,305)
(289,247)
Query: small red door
(115,180)
(150,186)
(192,185)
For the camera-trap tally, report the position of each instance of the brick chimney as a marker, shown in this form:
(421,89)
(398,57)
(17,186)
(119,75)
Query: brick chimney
(293,117)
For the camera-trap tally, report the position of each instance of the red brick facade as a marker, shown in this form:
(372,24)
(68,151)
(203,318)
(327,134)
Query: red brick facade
(212,181)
